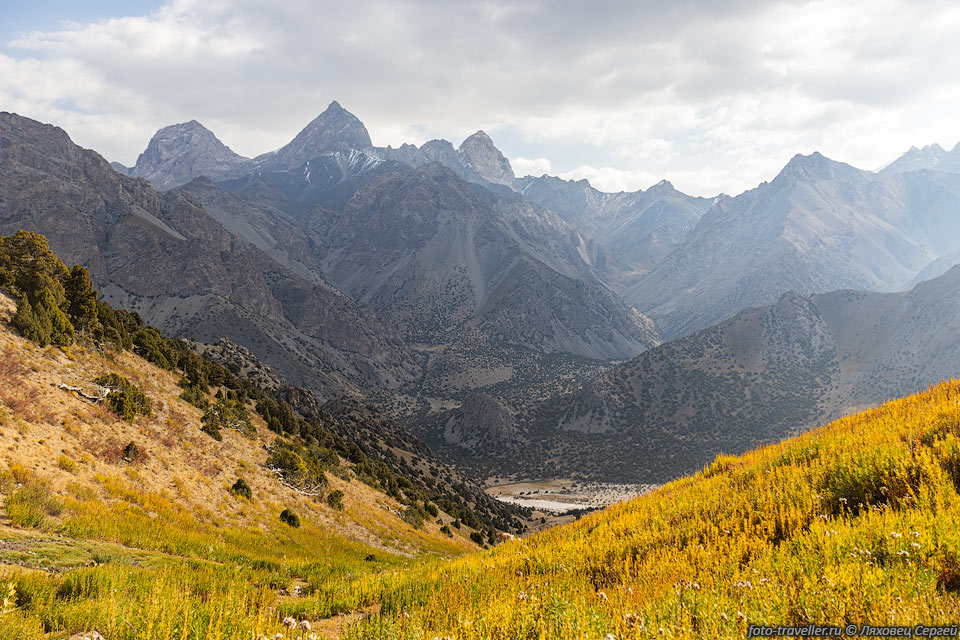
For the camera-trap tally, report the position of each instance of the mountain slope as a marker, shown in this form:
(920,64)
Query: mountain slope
(820,530)
(760,376)
(435,255)
(167,257)
(336,129)
(151,506)
(820,225)
(636,230)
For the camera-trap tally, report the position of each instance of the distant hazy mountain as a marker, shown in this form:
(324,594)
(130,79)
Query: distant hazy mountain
(936,268)
(190,271)
(636,229)
(476,160)
(819,225)
(121,169)
(932,157)
(179,153)
(760,376)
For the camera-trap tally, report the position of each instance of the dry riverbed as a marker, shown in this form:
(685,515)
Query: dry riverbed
(558,501)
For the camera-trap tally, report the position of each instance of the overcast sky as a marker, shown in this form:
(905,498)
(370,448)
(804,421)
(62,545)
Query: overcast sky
(715,96)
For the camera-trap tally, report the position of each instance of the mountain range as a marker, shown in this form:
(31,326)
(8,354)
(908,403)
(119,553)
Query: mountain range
(501,314)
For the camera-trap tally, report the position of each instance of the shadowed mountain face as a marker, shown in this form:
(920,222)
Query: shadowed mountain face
(182,268)
(820,225)
(765,374)
(439,256)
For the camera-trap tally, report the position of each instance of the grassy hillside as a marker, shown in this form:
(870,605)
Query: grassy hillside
(856,522)
(150,541)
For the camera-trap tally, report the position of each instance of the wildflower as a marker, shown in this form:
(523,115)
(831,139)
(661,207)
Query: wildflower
(843,500)
(903,554)
(741,616)
(522,595)
(290,622)
(313,636)
(915,534)
(894,534)
(304,625)
(724,615)
(603,596)
(915,545)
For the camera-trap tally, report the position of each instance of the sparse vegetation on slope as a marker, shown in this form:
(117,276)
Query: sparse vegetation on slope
(143,529)
(131,529)
(856,522)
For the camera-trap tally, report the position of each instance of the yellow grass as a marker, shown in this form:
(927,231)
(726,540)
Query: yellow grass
(856,522)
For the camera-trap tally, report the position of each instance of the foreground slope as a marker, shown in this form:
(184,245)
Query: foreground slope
(857,522)
(128,527)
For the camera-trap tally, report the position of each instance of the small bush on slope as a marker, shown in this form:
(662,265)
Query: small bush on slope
(125,398)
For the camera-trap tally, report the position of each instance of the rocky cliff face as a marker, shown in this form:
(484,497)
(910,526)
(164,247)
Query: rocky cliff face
(439,256)
(476,160)
(179,153)
(479,156)
(336,129)
(167,257)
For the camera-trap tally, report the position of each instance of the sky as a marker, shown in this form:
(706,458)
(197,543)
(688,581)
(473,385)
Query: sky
(715,96)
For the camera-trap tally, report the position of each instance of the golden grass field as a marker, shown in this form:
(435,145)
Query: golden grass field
(160,547)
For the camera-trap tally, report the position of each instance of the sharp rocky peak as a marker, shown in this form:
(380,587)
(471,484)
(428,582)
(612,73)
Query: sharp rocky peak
(814,166)
(336,129)
(178,153)
(480,155)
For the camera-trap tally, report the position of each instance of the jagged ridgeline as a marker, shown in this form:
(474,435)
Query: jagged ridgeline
(58,305)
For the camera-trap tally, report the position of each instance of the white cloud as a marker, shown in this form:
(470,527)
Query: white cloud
(714,96)
(531,167)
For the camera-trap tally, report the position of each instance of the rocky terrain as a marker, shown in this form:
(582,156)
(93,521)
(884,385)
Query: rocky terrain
(763,375)
(179,153)
(170,259)
(488,311)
